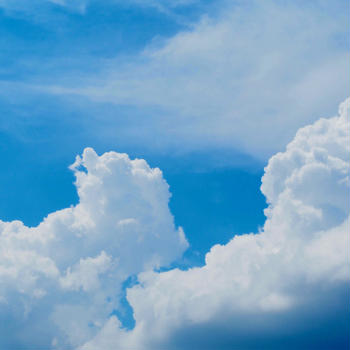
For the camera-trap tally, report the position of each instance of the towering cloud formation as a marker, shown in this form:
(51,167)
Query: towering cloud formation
(65,275)
(278,286)
(61,281)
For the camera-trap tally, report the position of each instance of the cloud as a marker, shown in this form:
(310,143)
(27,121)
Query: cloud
(242,78)
(245,78)
(285,287)
(66,274)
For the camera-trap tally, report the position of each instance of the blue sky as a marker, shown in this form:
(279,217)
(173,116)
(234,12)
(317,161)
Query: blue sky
(45,44)
(207,91)
(42,133)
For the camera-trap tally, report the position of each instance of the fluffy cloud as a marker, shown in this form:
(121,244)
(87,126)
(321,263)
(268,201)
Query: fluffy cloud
(66,274)
(285,287)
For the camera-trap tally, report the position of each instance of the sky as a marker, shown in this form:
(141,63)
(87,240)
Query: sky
(175,174)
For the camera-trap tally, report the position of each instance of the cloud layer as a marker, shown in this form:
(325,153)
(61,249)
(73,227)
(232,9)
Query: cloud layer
(61,282)
(232,80)
(237,76)
(266,290)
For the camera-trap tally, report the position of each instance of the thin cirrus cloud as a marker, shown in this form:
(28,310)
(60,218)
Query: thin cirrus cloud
(233,80)
(62,280)
(286,287)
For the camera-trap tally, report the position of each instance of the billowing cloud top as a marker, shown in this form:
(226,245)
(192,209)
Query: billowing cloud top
(65,275)
(74,262)
(260,284)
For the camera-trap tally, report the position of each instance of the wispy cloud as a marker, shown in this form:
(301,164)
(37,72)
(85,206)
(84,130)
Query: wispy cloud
(242,79)
(246,79)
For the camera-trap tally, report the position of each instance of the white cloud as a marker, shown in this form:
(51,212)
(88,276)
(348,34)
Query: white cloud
(255,284)
(66,274)
(85,275)
(61,281)
(244,79)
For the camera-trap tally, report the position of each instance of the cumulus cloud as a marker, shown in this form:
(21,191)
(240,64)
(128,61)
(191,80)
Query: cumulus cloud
(66,274)
(285,287)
